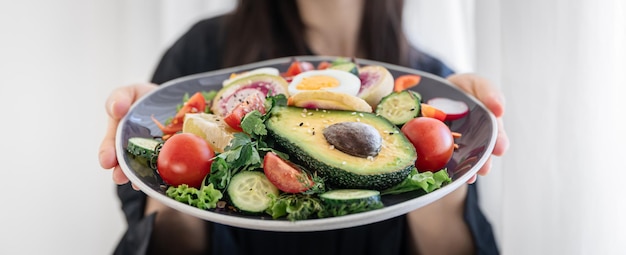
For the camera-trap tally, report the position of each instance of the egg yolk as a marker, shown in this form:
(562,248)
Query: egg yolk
(317,82)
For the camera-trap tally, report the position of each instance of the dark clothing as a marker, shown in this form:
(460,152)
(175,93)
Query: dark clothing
(199,51)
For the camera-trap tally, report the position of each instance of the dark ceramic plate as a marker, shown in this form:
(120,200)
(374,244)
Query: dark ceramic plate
(479,131)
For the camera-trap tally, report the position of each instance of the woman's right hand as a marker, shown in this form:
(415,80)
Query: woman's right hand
(117,105)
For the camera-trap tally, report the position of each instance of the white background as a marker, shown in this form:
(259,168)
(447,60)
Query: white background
(560,63)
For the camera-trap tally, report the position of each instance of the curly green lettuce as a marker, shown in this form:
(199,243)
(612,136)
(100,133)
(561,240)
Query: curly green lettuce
(204,198)
(294,206)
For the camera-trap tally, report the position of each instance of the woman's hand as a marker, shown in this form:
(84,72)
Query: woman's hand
(489,95)
(117,105)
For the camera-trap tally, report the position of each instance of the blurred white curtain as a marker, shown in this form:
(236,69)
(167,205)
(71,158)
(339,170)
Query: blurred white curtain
(151,26)
(59,60)
(562,67)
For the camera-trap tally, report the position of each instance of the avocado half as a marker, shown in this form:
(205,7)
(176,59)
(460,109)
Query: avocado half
(300,132)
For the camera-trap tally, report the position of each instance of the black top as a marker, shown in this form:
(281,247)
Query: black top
(198,51)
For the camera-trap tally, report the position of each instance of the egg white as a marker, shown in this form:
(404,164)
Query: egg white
(348,83)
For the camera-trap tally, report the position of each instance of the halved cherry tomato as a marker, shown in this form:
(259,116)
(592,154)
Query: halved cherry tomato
(432,112)
(296,68)
(185,158)
(323,65)
(250,103)
(433,142)
(285,175)
(194,104)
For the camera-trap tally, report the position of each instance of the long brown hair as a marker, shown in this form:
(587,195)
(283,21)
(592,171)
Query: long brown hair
(264,29)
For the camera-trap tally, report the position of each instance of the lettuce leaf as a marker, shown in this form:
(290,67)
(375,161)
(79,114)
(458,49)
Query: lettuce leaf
(426,181)
(294,206)
(204,198)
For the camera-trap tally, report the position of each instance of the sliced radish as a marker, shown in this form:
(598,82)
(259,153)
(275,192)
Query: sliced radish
(454,109)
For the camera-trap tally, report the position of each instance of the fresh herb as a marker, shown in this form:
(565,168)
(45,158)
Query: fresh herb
(208,97)
(426,181)
(247,148)
(318,187)
(253,124)
(240,155)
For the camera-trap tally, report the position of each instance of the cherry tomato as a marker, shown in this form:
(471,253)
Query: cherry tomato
(285,175)
(433,142)
(194,104)
(251,103)
(323,65)
(297,67)
(185,158)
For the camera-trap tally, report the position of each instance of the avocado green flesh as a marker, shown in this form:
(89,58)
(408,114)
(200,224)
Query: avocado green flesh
(300,132)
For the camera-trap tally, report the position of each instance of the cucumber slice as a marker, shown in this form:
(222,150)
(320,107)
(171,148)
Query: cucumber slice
(348,201)
(350,196)
(347,66)
(399,107)
(250,191)
(145,149)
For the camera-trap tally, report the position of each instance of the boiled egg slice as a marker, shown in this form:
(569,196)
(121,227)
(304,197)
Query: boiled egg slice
(328,79)
(262,70)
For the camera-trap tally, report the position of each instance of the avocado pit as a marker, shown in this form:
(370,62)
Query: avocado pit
(354,138)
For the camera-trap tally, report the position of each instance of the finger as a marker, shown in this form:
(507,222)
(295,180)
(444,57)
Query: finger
(134,186)
(118,103)
(472,179)
(502,140)
(118,176)
(482,89)
(106,155)
(486,168)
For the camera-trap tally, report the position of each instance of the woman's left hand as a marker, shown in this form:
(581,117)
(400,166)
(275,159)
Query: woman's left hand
(493,99)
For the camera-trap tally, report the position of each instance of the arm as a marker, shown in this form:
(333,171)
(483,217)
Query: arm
(175,232)
(440,228)
(454,224)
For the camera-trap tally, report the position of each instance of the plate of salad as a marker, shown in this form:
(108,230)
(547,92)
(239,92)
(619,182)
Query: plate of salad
(304,143)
